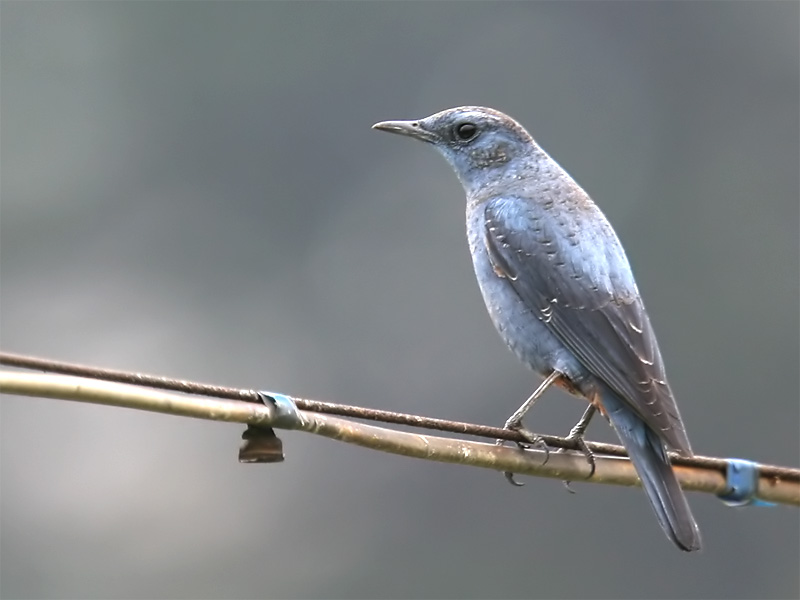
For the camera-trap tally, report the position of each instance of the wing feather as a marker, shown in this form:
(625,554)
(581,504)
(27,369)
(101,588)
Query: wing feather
(579,283)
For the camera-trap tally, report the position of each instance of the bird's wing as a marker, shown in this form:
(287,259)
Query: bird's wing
(578,282)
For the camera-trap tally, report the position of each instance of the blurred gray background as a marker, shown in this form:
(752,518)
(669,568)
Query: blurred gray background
(193,190)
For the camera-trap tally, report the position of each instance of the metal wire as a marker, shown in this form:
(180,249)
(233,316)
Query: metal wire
(190,387)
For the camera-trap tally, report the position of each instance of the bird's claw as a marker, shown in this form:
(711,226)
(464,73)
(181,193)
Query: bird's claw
(508,474)
(532,439)
(510,478)
(578,440)
(587,453)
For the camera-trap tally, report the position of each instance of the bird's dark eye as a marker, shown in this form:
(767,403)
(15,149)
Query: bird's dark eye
(466,131)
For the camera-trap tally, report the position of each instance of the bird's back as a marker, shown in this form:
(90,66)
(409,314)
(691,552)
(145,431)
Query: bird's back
(560,259)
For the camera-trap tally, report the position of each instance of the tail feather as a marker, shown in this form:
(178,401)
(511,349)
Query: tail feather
(658,479)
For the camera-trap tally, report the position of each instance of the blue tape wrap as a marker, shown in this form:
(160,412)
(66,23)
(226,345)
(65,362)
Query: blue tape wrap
(287,416)
(742,484)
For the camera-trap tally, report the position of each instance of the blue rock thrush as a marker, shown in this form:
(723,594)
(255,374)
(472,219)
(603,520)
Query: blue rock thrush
(561,293)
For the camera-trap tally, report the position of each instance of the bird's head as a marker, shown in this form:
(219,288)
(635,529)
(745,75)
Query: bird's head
(481,144)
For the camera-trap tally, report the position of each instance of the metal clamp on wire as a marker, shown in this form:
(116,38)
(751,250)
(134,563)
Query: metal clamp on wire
(742,484)
(261,445)
(287,415)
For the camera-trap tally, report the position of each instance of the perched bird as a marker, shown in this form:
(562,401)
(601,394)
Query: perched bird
(560,291)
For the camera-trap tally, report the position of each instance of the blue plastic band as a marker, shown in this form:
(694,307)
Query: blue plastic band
(742,484)
(287,416)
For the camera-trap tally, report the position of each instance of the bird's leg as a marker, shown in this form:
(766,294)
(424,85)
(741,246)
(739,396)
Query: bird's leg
(514,422)
(576,435)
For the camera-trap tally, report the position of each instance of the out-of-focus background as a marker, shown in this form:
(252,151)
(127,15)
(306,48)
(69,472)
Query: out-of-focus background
(193,190)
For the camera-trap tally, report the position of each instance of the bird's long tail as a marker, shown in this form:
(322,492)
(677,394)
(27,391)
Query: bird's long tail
(652,465)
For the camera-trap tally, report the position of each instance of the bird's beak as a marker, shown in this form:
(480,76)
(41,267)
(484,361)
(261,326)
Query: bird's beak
(413,129)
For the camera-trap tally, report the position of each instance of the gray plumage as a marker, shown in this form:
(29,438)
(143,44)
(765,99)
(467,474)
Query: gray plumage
(560,291)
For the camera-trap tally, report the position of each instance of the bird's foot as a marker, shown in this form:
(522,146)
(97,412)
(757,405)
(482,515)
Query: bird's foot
(576,437)
(531,441)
